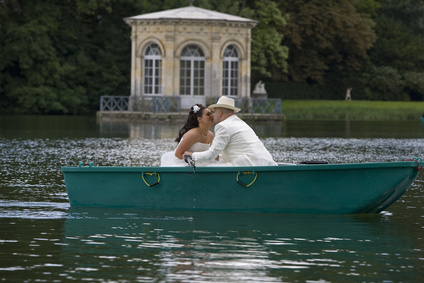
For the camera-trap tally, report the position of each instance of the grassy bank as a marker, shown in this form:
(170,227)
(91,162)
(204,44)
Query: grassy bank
(351,110)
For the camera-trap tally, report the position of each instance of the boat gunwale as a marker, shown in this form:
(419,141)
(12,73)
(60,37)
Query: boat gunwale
(280,168)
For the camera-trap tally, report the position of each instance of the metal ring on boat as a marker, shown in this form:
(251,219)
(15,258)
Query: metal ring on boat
(419,162)
(150,174)
(246,173)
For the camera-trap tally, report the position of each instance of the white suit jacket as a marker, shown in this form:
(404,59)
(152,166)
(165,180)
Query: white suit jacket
(238,144)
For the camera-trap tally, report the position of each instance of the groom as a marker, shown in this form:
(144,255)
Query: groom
(234,139)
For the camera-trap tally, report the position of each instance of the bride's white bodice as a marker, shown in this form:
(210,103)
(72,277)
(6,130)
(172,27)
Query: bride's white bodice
(198,146)
(169,159)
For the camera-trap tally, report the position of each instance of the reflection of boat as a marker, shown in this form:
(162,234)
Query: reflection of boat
(309,189)
(133,245)
(422,119)
(86,221)
(188,246)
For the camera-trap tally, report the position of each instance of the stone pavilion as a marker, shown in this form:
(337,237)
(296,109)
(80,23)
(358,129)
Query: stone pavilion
(191,53)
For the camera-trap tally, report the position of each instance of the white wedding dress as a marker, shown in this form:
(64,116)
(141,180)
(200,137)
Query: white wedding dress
(170,160)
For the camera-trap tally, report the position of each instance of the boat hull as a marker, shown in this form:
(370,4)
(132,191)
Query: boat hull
(301,189)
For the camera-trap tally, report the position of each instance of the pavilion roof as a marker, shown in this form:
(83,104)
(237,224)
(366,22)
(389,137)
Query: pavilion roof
(190,13)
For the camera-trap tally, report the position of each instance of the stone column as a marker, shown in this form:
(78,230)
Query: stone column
(133,56)
(215,89)
(248,49)
(168,65)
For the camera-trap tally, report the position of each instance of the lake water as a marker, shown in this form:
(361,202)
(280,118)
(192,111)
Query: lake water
(42,239)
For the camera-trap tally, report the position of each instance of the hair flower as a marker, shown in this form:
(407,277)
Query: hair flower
(195,108)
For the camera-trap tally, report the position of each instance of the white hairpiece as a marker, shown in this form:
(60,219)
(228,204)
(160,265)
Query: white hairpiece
(195,108)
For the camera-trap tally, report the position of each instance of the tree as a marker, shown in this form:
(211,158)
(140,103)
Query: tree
(269,55)
(29,65)
(409,12)
(368,7)
(59,58)
(397,58)
(324,37)
(386,83)
(397,46)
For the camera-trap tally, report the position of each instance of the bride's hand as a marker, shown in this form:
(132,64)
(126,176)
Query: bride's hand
(187,153)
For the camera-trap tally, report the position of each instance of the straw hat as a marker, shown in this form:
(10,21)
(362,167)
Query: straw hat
(224,102)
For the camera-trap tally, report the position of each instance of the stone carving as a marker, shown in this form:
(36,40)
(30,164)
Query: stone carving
(260,91)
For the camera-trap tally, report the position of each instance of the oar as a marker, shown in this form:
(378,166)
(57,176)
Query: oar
(190,162)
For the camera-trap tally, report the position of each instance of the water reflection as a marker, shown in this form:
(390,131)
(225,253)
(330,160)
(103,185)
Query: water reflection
(77,127)
(316,129)
(221,247)
(170,130)
(140,130)
(29,127)
(354,129)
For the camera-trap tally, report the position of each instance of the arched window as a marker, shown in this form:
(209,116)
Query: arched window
(230,71)
(152,70)
(192,71)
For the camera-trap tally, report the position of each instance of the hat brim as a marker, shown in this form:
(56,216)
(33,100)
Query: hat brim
(213,106)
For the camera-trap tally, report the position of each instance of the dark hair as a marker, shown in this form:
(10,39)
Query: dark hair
(191,121)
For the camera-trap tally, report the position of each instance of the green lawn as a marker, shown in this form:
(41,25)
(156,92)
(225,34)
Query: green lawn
(351,110)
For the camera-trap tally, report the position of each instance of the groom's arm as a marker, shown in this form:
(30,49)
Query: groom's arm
(220,141)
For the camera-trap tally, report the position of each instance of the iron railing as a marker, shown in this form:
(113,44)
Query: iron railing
(140,104)
(259,105)
(173,104)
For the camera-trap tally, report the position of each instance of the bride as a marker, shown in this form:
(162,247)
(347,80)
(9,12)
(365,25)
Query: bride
(194,136)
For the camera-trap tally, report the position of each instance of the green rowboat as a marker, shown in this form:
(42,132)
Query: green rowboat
(300,189)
